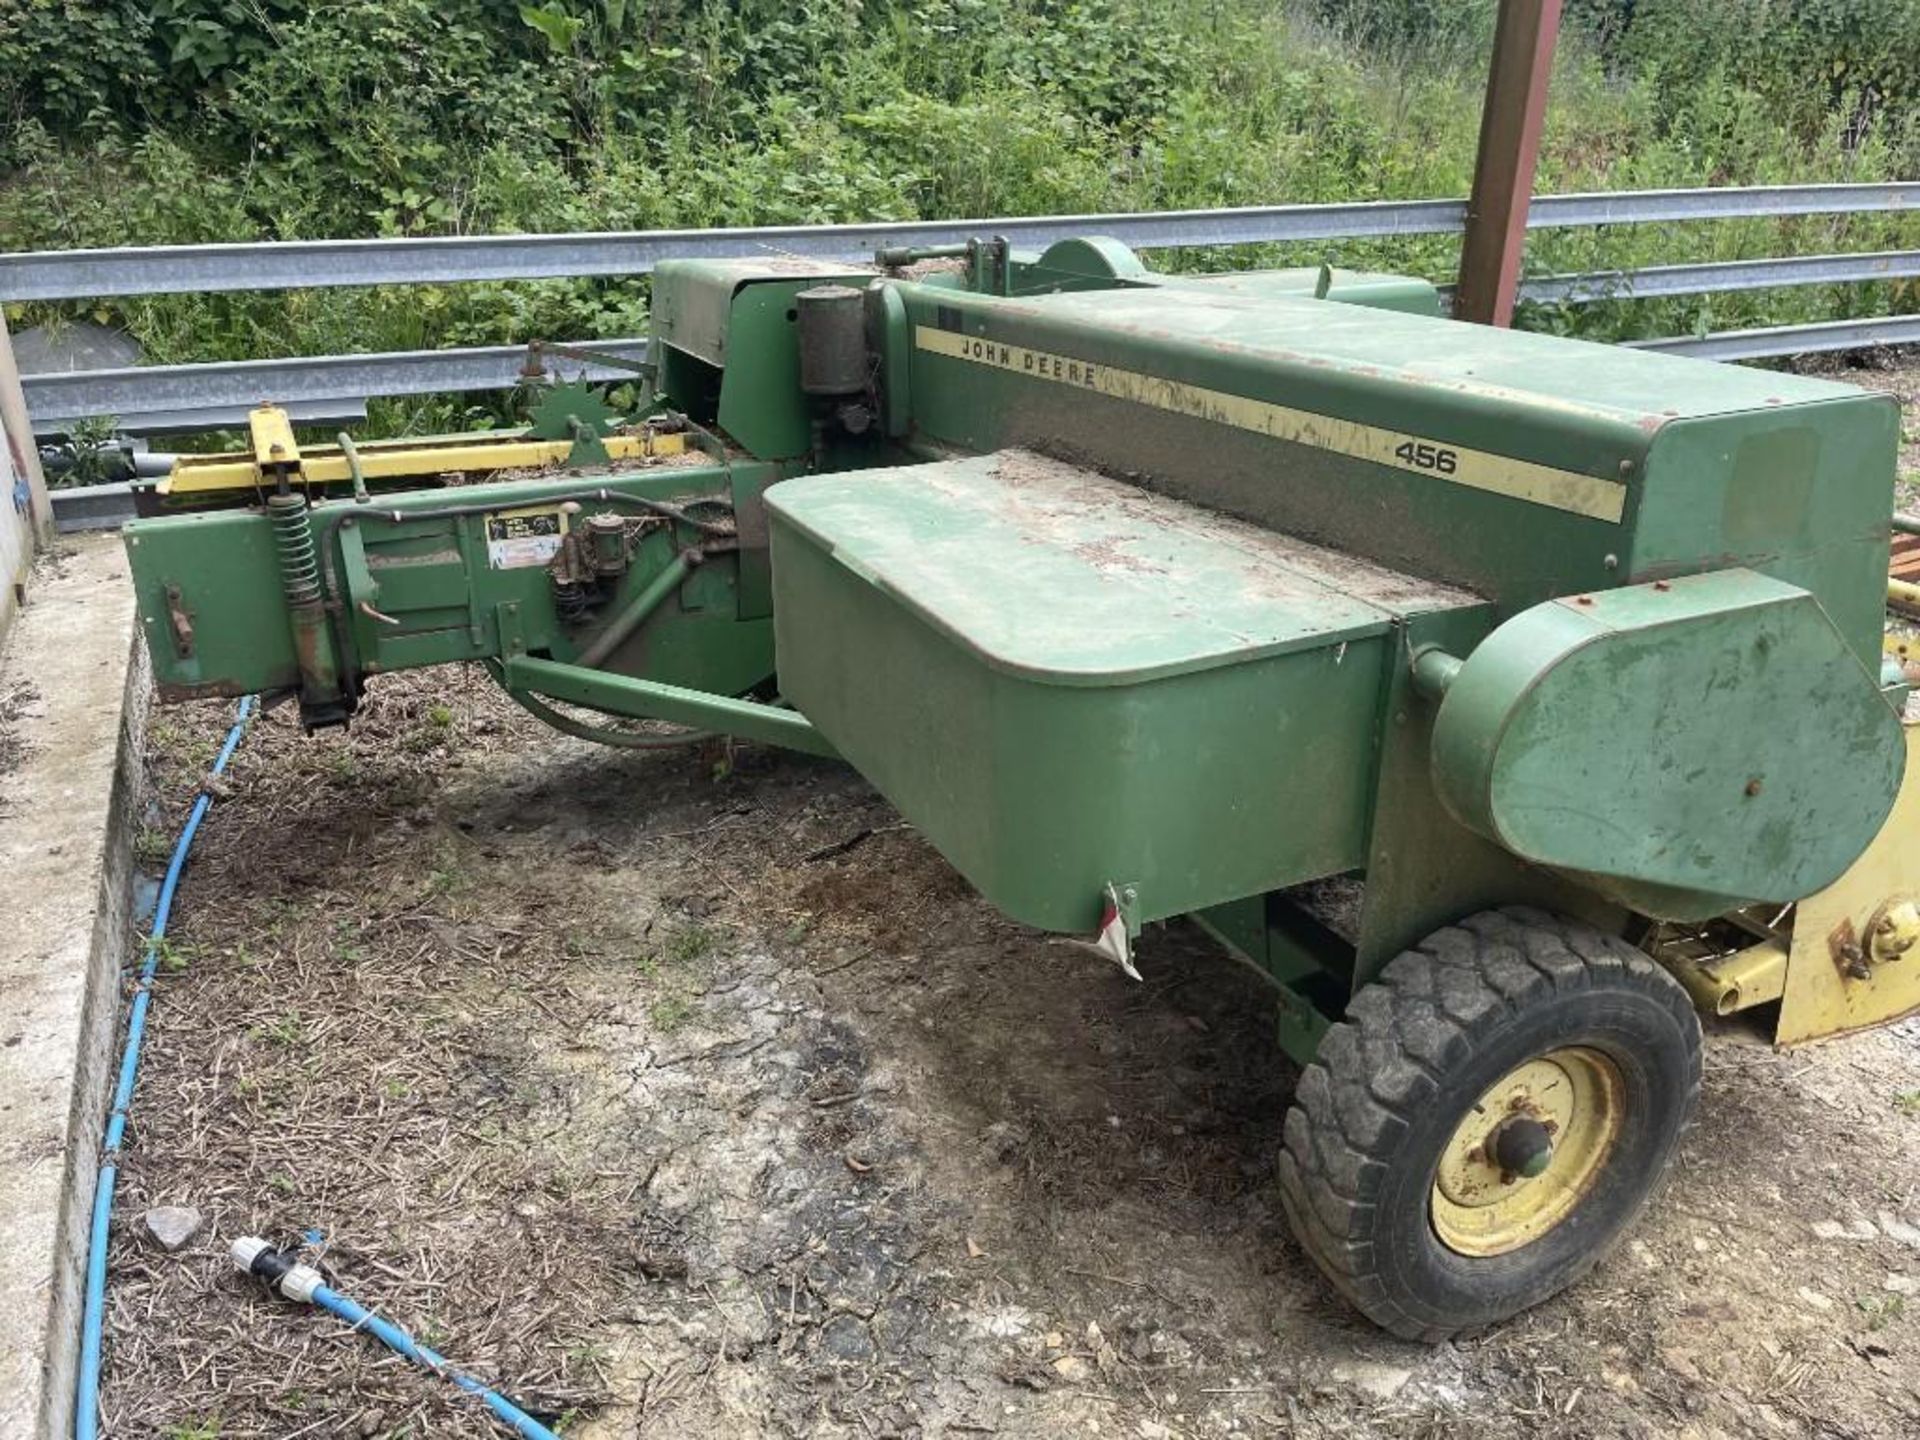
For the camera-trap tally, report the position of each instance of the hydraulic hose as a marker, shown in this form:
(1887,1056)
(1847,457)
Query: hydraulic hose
(598,734)
(86,1413)
(304,1283)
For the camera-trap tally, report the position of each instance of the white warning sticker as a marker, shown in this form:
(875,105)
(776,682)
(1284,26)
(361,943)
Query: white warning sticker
(520,539)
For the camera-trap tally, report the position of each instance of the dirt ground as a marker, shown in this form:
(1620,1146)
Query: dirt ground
(690,1094)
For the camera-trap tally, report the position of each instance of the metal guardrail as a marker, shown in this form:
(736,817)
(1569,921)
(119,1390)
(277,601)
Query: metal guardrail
(329,410)
(178,269)
(291,264)
(1827,335)
(78,508)
(228,384)
(1746,202)
(162,270)
(1723,275)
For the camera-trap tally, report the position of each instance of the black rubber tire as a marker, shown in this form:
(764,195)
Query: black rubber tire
(1420,1045)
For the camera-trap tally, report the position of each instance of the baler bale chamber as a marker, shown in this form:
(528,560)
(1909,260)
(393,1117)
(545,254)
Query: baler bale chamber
(1497,697)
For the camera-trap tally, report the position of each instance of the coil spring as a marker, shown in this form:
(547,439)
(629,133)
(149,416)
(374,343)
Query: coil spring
(293,542)
(571,601)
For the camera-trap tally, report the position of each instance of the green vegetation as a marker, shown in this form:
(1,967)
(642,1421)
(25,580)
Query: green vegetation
(172,958)
(670,1012)
(166,121)
(1880,1311)
(689,943)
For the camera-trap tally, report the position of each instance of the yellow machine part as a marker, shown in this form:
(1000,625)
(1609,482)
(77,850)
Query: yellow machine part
(1748,977)
(196,476)
(274,447)
(1854,959)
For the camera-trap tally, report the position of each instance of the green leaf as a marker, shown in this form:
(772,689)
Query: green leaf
(558,27)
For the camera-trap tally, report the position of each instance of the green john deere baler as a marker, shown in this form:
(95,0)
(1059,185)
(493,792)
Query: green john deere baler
(1499,698)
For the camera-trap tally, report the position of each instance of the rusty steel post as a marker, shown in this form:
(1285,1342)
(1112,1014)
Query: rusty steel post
(1510,124)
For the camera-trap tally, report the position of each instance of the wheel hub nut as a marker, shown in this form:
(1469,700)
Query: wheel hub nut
(1522,1147)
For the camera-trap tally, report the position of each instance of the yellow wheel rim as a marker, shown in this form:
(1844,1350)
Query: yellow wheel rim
(1562,1112)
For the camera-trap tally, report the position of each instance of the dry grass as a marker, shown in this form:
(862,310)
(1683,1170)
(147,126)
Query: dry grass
(351,1040)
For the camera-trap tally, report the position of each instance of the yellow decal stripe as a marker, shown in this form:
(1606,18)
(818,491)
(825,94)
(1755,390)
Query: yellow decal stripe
(1520,479)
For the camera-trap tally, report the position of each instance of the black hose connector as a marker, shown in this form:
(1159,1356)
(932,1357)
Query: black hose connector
(281,1269)
(269,1264)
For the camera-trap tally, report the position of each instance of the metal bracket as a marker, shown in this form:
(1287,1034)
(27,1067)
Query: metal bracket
(588,448)
(1843,946)
(361,594)
(276,454)
(513,639)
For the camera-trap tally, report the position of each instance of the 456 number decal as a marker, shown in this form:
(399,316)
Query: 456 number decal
(1419,455)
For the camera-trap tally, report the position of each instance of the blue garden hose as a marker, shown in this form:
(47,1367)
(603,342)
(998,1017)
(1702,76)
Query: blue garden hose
(296,1281)
(86,1413)
(302,1282)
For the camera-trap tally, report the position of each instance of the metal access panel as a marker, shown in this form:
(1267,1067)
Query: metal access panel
(1068,683)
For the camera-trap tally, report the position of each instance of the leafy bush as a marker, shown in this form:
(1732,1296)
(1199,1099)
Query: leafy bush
(196,120)
(1805,60)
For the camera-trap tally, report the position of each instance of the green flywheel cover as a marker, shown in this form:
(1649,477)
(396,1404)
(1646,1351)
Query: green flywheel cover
(1685,746)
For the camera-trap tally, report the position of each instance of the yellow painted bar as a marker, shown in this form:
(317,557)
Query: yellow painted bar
(1738,981)
(327,464)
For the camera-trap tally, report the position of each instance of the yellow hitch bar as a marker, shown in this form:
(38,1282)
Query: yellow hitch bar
(274,448)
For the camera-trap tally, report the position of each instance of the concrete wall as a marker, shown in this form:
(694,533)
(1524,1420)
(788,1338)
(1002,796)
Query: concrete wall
(65,881)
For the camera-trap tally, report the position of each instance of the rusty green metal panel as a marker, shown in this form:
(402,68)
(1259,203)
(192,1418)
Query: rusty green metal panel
(1348,287)
(1687,746)
(210,605)
(1796,488)
(1520,466)
(1424,869)
(1068,683)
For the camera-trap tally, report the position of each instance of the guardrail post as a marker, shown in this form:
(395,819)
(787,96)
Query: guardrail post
(1510,123)
(18,433)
